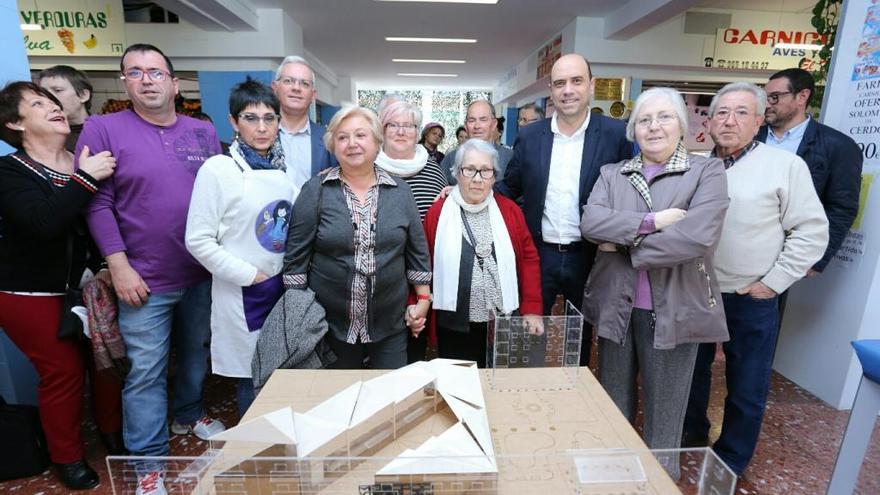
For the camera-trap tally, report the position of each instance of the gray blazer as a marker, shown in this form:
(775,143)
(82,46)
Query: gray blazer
(320,253)
(686,298)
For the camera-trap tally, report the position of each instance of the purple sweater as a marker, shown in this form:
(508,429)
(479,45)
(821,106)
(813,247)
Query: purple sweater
(142,208)
(643,298)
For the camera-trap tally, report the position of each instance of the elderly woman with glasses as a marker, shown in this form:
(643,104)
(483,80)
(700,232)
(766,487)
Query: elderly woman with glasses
(652,292)
(358,243)
(484,258)
(237,226)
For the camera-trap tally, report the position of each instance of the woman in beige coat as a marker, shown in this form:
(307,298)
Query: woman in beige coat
(652,292)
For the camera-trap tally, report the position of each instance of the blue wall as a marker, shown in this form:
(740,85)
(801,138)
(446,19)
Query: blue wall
(18,380)
(215,88)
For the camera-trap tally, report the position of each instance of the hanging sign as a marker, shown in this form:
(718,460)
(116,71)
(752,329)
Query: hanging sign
(754,46)
(72,28)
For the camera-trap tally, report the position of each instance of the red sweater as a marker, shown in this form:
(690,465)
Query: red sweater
(528,265)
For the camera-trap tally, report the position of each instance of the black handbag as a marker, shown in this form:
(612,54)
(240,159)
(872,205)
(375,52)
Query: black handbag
(71,326)
(24,451)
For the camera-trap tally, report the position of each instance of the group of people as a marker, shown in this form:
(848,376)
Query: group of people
(667,252)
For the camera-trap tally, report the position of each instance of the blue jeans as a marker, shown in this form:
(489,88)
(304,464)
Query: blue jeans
(244,394)
(753,325)
(566,273)
(147,335)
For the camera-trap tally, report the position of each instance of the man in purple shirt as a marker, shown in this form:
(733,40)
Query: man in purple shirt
(138,221)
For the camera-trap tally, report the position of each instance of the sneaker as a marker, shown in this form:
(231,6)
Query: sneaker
(152,483)
(204,428)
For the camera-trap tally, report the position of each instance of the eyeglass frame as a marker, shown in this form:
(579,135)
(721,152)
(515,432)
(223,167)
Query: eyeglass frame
(738,115)
(773,98)
(647,122)
(124,75)
(476,172)
(292,81)
(257,119)
(395,127)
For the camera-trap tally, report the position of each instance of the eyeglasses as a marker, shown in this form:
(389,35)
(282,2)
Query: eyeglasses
(739,114)
(291,81)
(138,74)
(663,120)
(773,98)
(269,119)
(470,173)
(394,127)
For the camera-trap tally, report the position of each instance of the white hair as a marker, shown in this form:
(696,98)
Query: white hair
(293,59)
(760,96)
(672,96)
(479,146)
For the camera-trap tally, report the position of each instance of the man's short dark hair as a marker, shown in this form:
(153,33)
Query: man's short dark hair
(798,80)
(77,78)
(532,106)
(145,47)
(251,92)
(10,97)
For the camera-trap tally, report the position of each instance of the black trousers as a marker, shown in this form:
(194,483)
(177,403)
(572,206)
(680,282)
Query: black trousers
(470,345)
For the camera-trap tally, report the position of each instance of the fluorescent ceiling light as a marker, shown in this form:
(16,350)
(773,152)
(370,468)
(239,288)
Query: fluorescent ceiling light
(798,46)
(31,27)
(444,1)
(426,61)
(430,40)
(420,74)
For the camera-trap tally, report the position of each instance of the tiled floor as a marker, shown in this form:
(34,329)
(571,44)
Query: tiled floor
(796,451)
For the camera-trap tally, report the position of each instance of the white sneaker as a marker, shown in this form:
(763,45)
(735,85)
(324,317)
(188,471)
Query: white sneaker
(204,428)
(152,483)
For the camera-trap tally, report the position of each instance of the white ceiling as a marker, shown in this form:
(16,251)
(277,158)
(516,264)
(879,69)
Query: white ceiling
(348,35)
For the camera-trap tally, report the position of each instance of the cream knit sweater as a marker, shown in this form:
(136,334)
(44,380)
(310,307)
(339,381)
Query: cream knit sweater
(775,228)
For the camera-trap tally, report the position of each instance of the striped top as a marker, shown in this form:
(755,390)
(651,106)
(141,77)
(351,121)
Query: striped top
(426,185)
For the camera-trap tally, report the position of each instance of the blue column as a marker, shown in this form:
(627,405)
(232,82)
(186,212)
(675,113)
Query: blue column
(18,380)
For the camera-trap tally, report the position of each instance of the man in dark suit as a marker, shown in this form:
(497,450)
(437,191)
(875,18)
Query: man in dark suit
(301,139)
(555,164)
(834,159)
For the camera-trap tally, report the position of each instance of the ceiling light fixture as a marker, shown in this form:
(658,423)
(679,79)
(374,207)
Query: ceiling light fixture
(798,46)
(426,61)
(492,2)
(424,74)
(430,40)
(31,27)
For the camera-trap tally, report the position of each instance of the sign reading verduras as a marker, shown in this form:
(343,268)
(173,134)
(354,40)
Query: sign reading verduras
(72,28)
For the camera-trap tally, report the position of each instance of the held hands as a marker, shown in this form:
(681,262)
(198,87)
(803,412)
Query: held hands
(416,316)
(99,166)
(260,277)
(534,324)
(757,290)
(608,247)
(667,217)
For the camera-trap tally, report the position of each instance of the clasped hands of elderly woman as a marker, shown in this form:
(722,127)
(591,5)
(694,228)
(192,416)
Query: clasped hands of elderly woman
(662,219)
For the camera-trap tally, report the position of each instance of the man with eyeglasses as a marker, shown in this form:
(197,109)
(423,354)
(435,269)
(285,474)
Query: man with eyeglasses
(301,138)
(555,164)
(480,123)
(138,221)
(774,230)
(529,114)
(834,159)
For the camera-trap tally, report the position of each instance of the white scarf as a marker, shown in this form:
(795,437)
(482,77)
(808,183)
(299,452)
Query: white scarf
(447,252)
(403,167)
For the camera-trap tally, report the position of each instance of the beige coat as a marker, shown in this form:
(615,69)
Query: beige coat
(685,294)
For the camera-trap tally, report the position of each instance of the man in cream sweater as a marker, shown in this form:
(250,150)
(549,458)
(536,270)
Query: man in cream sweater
(774,231)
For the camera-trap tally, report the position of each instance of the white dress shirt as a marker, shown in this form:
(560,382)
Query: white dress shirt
(297,146)
(561,221)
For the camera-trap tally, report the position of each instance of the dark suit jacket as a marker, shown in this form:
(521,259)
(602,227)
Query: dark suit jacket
(321,158)
(835,163)
(529,170)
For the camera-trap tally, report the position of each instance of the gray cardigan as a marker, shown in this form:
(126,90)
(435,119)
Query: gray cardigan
(684,289)
(320,253)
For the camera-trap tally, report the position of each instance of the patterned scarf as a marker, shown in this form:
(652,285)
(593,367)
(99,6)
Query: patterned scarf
(274,160)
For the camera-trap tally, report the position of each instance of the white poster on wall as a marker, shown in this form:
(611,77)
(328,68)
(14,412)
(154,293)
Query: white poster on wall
(72,28)
(754,45)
